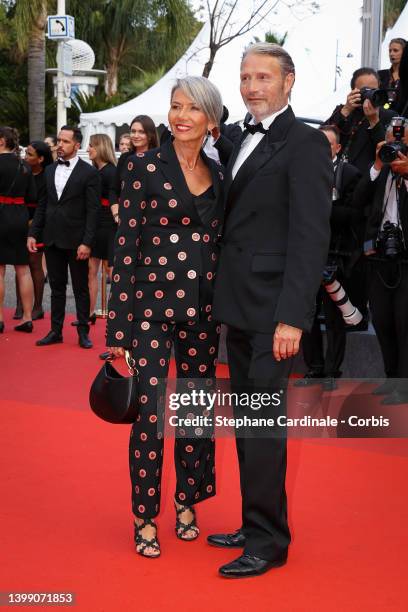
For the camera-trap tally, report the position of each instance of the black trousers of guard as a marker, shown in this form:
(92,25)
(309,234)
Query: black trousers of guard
(58,262)
(195,350)
(262,458)
(388,298)
(312,343)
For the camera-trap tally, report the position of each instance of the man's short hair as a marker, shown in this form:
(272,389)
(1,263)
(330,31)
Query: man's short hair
(273,50)
(76,132)
(362,72)
(331,128)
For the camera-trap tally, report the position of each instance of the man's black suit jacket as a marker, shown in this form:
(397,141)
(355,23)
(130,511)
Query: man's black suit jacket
(71,220)
(276,234)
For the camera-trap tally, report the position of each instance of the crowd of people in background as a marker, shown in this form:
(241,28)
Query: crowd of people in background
(81,236)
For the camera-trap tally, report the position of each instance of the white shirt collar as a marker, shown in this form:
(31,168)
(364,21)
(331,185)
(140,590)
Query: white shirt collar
(72,162)
(267,122)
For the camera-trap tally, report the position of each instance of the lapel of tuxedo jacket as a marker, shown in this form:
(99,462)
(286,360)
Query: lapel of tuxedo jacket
(172,170)
(51,182)
(73,175)
(270,144)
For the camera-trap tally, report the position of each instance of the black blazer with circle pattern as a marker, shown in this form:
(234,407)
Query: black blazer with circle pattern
(165,257)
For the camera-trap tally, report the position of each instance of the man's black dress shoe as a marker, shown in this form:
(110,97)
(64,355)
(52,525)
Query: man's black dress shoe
(227,540)
(51,338)
(310,378)
(26,327)
(394,398)
(329,384)
(249,565)
(387,387)
(84,341)
(1,327)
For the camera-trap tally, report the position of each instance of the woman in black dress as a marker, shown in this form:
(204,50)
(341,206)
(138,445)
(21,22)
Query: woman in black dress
(390,78)
(166,250)
(102,155)
(17,189)
(38,156)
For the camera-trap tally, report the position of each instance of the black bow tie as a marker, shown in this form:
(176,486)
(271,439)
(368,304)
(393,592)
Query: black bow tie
(252,129)
(63,162)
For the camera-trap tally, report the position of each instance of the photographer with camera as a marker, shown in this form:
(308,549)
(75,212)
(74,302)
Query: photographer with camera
(362,123)
(345,223)
(362,120)
(384,192)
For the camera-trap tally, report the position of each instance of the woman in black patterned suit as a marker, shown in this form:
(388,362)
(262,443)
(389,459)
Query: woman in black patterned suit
(171,211)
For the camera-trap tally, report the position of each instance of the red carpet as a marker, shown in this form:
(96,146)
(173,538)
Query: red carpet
(66,521)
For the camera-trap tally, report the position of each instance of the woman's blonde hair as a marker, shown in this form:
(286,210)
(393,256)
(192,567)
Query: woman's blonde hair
(104,147)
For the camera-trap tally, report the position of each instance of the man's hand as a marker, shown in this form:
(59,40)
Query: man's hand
(83,251)
(286,341)
(353,102)
(118,351)
(400,166)
(371,112)
(378,163)
(32,245)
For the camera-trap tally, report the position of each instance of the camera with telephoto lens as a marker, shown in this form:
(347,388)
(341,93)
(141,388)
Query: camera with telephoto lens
(351,314)
(390,241)
(377,97)
(389,152)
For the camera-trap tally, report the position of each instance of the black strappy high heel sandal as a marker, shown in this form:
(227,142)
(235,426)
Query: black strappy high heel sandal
(182,528)
(143,542)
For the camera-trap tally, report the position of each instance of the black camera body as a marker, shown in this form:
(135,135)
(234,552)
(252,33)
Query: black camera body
(389,151)
(377,97)
(390,240)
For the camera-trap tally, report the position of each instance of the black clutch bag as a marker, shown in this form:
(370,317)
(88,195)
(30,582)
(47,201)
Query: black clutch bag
(113,397)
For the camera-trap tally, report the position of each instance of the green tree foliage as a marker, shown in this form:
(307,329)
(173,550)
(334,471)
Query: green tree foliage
(129,36)
(392,10)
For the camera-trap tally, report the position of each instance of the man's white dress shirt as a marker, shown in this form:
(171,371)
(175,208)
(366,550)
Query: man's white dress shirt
(252,140)
(62,174)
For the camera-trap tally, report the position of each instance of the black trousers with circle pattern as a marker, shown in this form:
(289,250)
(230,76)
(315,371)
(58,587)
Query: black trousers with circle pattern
(195,349)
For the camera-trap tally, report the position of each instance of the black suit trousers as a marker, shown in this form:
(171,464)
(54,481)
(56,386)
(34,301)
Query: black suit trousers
(389,308)
(58,262)
(262,457)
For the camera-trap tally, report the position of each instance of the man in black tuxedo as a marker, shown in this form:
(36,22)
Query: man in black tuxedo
(274,248)
(347,228)
(67,220)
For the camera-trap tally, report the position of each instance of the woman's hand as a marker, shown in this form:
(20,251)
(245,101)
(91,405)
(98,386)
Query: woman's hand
(118,351)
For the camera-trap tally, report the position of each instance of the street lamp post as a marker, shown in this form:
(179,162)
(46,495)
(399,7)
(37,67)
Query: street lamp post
(61,109)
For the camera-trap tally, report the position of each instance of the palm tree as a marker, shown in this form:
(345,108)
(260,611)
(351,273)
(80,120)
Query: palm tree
(118,30)
(31,19)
